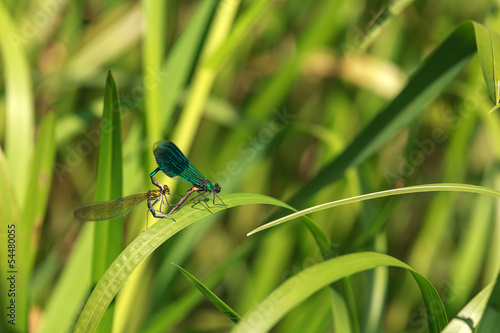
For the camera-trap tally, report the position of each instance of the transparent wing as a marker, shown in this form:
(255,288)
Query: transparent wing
(175,164)
(107,210)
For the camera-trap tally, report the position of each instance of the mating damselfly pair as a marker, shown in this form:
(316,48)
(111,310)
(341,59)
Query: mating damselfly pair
(174,164)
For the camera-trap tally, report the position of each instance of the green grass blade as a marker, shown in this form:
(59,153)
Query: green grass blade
(143,246)
(308,281)
(19,132)
(488,50)
(445,187)
(242,28)
(216,301)
(152,51)
(204,76)
(108,235)
(39,185)
(109,179)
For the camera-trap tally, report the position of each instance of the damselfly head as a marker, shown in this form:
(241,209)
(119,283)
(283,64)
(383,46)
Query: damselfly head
(166,189)
(216,188)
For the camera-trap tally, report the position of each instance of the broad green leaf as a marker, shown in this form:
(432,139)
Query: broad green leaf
(216,301)
(143,246)
(445,187)
(264,316)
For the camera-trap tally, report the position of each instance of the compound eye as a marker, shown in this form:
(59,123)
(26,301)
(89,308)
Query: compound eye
(217,188)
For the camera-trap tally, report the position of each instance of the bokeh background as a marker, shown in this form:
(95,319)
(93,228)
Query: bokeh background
(260,95)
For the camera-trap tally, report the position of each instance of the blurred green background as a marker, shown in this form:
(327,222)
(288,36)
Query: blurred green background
(261,96)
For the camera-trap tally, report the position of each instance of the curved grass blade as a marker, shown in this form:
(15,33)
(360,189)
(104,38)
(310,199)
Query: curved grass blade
(138,250)
(308,281)
(216,301)
(445,187)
